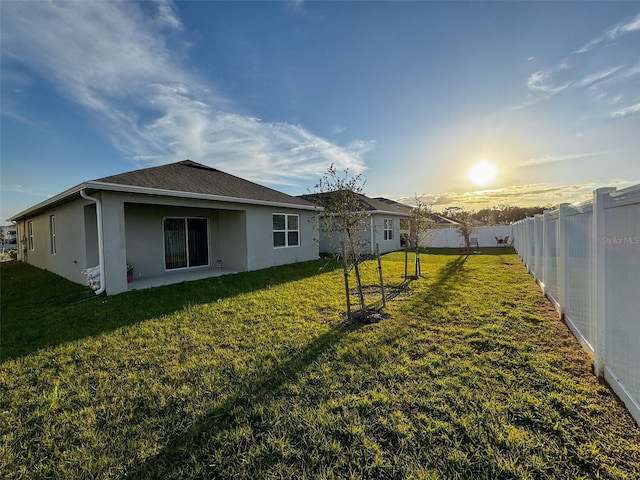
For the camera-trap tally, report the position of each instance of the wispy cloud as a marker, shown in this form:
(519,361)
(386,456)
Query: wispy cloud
(612,33)
(547,158)
(623,112)
(116,60)
(597,76)
(590,72)
(519,195)
(540,82)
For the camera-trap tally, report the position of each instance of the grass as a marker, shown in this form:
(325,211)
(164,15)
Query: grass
(255,376)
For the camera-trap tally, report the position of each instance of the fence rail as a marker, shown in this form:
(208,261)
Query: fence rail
(586,259)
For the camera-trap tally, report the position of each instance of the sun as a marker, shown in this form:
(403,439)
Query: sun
(483,173)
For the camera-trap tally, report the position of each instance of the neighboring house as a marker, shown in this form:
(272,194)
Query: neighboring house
(440,221)
(8,236)
(170,223)
(382,225)
(405,223)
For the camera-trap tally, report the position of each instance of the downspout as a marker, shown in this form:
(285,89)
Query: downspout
(103,283)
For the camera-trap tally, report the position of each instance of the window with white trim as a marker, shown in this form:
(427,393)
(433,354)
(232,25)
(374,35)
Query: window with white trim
(30,235)
(286,230)
(186,242)
(52,233)
(388,228)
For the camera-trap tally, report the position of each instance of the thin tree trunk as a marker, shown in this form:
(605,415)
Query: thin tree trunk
(356,267)
(345,269)
(406,260)
(418,272)
(384,300)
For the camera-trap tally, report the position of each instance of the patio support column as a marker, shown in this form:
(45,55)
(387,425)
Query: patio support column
(115,252)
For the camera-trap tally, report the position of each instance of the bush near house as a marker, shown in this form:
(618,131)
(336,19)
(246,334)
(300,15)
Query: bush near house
(255,375)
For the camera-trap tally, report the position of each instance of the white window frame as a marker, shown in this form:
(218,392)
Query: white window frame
(388,228)
(186,239)
(30,237)
(286,230)
(52,234)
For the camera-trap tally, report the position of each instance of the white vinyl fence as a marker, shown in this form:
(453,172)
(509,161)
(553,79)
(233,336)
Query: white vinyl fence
(450,238)
(586,258)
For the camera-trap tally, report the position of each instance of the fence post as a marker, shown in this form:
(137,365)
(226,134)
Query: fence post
(546,251)
(561,242)
(599,279)
(537,248)
(531,237)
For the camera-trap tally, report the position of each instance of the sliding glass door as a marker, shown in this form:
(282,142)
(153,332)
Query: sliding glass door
(186,242)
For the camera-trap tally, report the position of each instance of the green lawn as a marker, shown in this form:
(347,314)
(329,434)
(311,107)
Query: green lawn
(255,375)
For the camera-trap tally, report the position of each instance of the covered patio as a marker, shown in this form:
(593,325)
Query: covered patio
(178,277)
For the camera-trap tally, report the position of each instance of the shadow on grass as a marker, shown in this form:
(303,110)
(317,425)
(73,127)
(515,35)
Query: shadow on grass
(441,290)
(191,448)
(40,309)
(475,251)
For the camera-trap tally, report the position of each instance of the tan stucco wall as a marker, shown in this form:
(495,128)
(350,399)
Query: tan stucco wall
(70,257)
(145,236)
(378,234)
(240,236)
(375,222)
(262,253)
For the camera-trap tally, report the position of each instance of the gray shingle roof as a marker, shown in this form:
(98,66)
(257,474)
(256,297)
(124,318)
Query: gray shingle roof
(192,177)
(366,203)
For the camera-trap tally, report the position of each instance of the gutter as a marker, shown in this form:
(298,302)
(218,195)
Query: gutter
(103,283)
(116,187)
(113,187)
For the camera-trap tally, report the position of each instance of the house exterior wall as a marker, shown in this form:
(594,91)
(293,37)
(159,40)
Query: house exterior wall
(377,220)
(145,236)
(372,234)
(262,253)
(240,236)
(69,258)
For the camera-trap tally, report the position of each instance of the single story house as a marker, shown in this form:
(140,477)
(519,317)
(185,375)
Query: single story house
(386,225)
(167,224)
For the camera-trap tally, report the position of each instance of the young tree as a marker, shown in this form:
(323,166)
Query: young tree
(343,219)
(419,224)
(466,228)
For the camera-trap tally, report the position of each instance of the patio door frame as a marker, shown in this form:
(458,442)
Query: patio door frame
(187,243)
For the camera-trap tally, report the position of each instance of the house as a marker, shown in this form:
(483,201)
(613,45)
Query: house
(405,223)
(8,236)
(440,221)
(383,225)
(170,223)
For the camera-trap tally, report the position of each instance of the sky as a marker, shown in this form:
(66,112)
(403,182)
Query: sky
(410,95)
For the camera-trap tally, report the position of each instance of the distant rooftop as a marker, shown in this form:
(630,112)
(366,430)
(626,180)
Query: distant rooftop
(366,203)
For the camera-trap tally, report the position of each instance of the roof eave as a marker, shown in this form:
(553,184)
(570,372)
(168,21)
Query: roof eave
(57,199)
(114,187)
(387,212)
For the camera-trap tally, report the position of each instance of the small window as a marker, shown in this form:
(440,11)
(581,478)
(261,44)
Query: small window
(388,228)
(30,234)
(52,233)
(286,230)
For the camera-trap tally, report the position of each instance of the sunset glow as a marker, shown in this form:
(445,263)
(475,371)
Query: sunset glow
(483,173)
